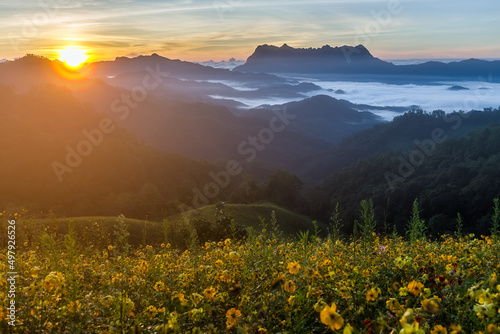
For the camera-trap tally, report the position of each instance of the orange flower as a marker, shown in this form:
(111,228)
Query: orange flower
(209,292)
(372,294)
(232,316)
(430,306)
(289,287)
(415,287)
(294,267)
(331,318)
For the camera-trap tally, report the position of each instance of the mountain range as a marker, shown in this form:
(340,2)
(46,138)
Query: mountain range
(349,60)
(177,125)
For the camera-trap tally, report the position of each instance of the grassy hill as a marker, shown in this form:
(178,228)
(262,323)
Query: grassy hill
(102,230)
(248,215)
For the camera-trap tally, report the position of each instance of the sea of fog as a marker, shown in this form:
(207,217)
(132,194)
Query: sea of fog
(447,95)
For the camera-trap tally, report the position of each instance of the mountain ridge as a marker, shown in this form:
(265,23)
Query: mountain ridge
(357,60)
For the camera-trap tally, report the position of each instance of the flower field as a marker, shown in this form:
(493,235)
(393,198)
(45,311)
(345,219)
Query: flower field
(264,284)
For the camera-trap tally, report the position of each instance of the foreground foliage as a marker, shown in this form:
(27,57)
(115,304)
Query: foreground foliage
(260,285)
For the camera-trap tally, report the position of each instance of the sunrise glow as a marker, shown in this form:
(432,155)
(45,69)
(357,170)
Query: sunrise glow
(74,58)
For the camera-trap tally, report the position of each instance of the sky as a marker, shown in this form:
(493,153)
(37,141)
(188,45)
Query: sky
(198,30)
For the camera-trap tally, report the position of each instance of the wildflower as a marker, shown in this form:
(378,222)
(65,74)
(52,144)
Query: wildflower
(395,287)
(53,280)
(262,330)
(430,306)
(394,305)
(34,272)
(331,318)
(209,292)
(110,247)
(492,328)
(179,296)
(196,298)
(438,329)
(227,242)
(159,286)
(234,255)
(320,305)
(371,295)
(415,287)
(486,309)
(151,311)
(456,329)
(294,267)
(196,314)
(289,287)
(291,300)
(348,329)
(232,316)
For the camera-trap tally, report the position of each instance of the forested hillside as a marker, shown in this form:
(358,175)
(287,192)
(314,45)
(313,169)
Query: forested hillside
(455,176)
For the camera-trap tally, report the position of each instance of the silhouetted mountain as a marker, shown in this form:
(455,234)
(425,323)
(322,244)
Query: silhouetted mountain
(161,118)
(348,60)
(285,59)
(176,68)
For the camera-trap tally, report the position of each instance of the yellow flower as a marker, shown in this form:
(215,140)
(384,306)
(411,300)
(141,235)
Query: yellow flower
(394,306)
(159,286)
(456,329)
(415,287)
(438,329)
(110,247)
(262,330)
(34,272)
(232,316)
(74,306)
(179,296)
(209,292)
(151,311)
(430,306)
(331,318)
(492,328)
(234,255)
(348,329)
(227,242)
(289,287)
(291,300)
(294,267)
(371,295)
(53,280)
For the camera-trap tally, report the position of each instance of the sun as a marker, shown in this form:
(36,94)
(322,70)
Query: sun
(73,57)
